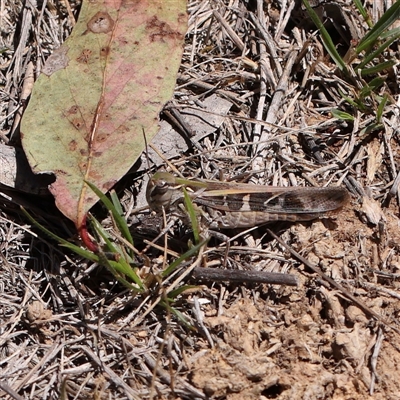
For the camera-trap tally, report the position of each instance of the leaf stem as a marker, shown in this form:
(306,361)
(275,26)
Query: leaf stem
(84,234)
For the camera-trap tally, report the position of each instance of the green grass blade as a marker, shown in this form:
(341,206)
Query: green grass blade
(378,68)
(363,12)
(111,247)
(368,58)
(120,219)
(112,266)
(126,269)
(191,252)
(192,215)
(356,104)
(328,42)
(116,202)
(173,294)
(372,86)
(190,183)
(387,19)
(81,252)
(178,314)
(115,267)
(43,229)
(78,250)
(342,115)
(116,212)
(122,265)
(381,108)
(371,128)
(105,236)
(395,32)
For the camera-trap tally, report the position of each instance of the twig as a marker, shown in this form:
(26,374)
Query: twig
(231,33)
(165,377)
(263,81)
(276,103)
(11,392)
(199,318)
(117,380)
(185,80)
(221,275)
(374,360)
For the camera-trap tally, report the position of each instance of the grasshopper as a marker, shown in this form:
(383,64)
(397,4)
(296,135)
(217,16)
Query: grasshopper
(228,205)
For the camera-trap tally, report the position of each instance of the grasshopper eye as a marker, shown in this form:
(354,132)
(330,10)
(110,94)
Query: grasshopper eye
(160,191)
(162,186)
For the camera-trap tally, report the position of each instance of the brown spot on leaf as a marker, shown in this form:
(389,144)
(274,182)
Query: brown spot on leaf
(78,123)
(73,110)
(72,145)
(84,56)
(105,51)
(83,152)
(94,176)
(101,22)
(123,129)
(83,165)
(97,153)
(108,185)
(160,30)
(101,138)
(122,41)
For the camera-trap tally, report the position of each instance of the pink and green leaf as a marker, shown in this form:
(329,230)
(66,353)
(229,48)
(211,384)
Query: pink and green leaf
(98,92)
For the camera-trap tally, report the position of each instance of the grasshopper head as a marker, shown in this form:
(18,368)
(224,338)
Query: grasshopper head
(162,191)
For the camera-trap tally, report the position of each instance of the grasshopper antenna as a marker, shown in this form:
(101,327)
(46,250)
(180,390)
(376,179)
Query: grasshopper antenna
(146,146)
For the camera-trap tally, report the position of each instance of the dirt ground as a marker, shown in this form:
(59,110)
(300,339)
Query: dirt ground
(311,343)
(69,330)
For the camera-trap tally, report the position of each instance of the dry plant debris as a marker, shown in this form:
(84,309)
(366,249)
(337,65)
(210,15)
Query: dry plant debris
(68,330)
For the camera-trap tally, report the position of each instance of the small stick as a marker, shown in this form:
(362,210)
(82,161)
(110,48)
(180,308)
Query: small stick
(231,33)
(220,275)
